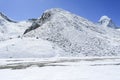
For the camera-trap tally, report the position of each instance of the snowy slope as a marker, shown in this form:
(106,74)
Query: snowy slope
(28,48)
(12,45)
(10,29)
(58,33)
(76,35)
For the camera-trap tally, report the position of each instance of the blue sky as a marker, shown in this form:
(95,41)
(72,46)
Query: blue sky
(90,9)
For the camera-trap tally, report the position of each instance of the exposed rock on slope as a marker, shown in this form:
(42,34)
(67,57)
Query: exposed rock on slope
(76,35)
(58,33)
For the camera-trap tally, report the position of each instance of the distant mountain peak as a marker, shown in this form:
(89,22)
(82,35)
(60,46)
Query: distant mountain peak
(105,18)
(107,22)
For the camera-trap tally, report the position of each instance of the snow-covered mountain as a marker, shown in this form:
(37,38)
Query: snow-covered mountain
(10,29)
(76,35)
(107,22)
(64,34)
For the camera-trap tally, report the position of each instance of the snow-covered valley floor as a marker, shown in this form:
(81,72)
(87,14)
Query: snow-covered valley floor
(60,69)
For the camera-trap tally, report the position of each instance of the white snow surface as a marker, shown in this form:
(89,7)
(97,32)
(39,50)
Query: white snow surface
(105,69)
(9,29)
(28,48)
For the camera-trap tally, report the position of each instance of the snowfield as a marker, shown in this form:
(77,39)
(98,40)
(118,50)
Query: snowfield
(60,69)
(28,48)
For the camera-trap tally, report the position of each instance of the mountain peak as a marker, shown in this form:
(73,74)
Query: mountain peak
(107,22)
(105,18)
(3,17)
(55,10)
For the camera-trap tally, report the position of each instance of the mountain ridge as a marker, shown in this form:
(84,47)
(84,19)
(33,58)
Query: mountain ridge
(6,18)
(68,31)
(67,34)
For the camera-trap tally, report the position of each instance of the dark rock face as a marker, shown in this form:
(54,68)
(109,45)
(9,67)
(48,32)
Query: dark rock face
(6,18)
(32,20)
(34,26)
(37,23)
